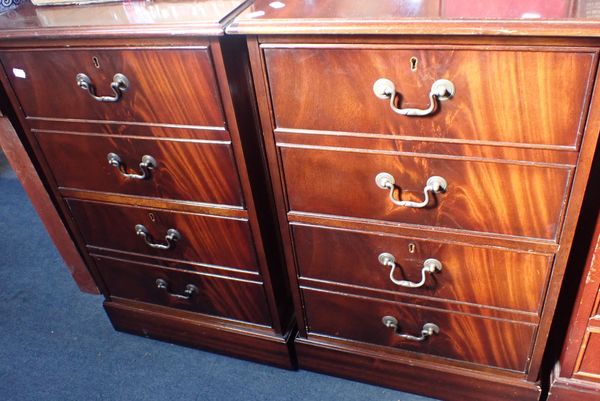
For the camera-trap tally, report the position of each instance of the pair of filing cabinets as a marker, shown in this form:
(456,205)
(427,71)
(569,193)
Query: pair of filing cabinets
(401,209)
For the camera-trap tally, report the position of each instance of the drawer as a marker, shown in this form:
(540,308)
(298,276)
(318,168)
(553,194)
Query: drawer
(196,292)
(477,275)
(175,86)
(198,172)
(221,241)
(589,365)
(501,198)
(507,95)
(492,342)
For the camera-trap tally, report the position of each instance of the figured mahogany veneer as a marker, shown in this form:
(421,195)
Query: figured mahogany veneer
(206,239)
(214,295)
(333,91)
(188,171)
(174,86)
(477,275)
(514,143)
(491,342)
(483,196)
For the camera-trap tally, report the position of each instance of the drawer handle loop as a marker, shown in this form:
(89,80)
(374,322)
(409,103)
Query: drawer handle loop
(171,237)
(434,184)
(441,90)
(190,289)
(119,85)
(428,329)
(429,266)
(148,163)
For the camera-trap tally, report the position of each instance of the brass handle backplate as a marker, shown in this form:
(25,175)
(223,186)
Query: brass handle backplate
(171,237)
(119,85)
(148,163)
(434,184)
(441,90)
(429,266)
(188,293)
(428,329)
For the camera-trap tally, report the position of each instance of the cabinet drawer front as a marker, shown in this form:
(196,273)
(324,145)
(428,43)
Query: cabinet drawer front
(175,86)
(589,365)
(205,239)
(501,96)
(492,342)
(197,172)
(501,198)
(482,276)
(226,297)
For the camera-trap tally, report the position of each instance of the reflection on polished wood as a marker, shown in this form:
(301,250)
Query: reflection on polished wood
(437,17)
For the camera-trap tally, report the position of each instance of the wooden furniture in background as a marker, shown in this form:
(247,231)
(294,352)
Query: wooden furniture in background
(577,375)
(426,223)
(129,109)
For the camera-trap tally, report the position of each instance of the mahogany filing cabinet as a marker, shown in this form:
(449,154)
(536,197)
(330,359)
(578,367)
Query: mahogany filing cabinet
(129,111)
(429,161)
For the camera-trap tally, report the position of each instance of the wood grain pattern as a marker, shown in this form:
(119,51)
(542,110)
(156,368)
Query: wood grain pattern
(505,95)
(216,295)
(195,172)
(219,335)
(204,238)
(481,196)
(465,337)
(432,378)
(477,275)
(175,86)
(570,389)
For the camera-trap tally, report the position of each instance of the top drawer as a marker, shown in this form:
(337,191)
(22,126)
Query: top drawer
(175,86)
(511,96)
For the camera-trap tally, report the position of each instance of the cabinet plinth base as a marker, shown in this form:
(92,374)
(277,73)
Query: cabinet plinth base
(209,333)
(432,379)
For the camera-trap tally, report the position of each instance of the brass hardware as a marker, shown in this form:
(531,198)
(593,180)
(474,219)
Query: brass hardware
(428,329)
(413,64)
(434,184)
(441,90)
(189,292)
(412,248)
(171,237)
(429,266)
(119,85)
(96,62)
(152,217)
(148,163)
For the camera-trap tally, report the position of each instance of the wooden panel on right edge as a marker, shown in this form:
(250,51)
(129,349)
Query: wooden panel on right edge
(441,276)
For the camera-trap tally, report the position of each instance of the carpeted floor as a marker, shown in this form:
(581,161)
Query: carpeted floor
(57,343)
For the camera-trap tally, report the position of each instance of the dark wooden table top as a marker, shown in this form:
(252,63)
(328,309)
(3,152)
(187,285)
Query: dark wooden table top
(447,17)
(132,18)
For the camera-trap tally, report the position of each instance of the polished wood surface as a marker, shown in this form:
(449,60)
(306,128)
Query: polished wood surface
(174,86)
(476,275)
(159,17)
(187,171)
(465,337)
(32,183)
(442,17)
(218,335)
(439,379)
(501,198)
(216,295)
(206,239)
(332,90)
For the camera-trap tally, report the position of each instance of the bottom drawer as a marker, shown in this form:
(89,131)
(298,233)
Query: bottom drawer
(197,292)
(487,341)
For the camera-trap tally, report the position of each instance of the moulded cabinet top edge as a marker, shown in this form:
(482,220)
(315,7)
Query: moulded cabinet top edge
(568,18)
(156,18)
